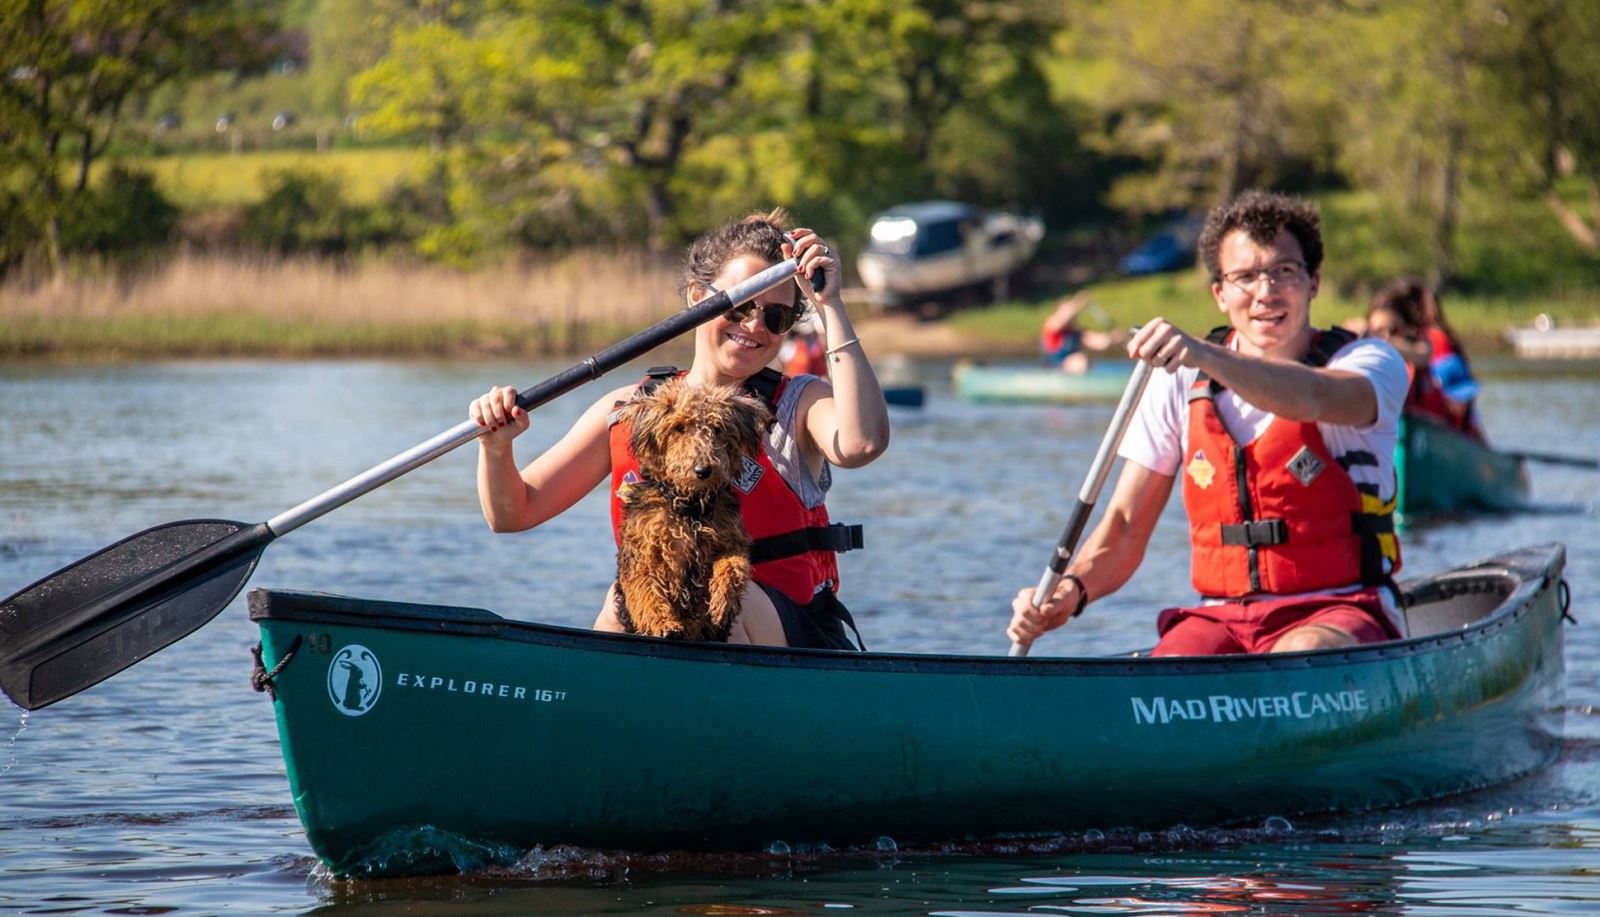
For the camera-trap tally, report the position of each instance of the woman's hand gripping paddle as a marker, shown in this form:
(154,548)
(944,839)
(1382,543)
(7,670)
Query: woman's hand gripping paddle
(87,622)
(1090,491)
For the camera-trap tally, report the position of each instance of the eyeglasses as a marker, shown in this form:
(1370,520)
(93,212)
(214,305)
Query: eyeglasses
(778,317)
(1284,273)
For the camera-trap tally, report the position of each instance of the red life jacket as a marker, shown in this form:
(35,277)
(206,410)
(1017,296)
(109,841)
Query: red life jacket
(1281,514)
(793,548)
(810,356)
(1426,397)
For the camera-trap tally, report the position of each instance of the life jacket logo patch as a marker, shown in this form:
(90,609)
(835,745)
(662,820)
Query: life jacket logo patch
(1305,466)
(630,482)
(1201,471)
(749,475)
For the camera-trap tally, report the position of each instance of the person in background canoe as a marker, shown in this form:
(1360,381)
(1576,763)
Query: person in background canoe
(1064,344)
(804,352)
(1407,314)
(1283,437)
(820,423)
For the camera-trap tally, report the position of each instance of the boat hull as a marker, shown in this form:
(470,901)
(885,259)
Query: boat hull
(1443,471)
(512,735)
(1104,382)
(1555,343)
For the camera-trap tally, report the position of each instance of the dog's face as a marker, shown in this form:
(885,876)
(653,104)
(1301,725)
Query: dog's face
(695,439)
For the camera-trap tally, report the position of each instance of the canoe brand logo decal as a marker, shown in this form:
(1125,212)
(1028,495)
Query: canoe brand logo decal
(1230,708)
(1201,470)
(749,475)
(354,680)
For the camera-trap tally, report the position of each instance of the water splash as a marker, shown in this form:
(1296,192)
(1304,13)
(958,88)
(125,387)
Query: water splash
(11,745)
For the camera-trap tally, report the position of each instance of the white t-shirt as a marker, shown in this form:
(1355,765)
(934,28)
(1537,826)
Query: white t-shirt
(1158,436)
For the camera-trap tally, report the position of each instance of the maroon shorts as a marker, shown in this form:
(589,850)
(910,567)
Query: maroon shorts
(1254,626)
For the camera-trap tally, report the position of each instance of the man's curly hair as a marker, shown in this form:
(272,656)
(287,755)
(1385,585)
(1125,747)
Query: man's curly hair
(1261,214)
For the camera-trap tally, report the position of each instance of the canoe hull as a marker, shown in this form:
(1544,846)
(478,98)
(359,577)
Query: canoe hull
(520,735)
(1443,471)
(1104,382)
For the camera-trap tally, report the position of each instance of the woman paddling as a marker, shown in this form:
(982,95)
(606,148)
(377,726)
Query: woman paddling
(841,421)
(1408,315)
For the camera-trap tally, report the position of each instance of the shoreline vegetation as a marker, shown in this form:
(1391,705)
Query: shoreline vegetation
(207,306)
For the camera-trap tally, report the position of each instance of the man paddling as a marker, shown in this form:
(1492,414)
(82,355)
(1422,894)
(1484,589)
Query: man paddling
(1284,439)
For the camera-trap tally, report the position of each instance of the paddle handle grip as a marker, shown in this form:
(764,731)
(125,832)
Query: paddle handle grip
(1089,493)
(590,368)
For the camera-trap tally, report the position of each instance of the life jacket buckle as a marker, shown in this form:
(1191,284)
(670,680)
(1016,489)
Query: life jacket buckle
(1256,534)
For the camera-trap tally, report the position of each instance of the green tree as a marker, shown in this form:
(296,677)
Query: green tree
(1215,95)
(1547,77)
(890,100)
(349,36)
(76,70)
(620,89)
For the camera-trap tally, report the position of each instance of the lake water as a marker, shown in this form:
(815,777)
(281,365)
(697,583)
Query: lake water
(163,790)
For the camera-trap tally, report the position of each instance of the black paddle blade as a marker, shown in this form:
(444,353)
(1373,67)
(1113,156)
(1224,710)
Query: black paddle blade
(89,621)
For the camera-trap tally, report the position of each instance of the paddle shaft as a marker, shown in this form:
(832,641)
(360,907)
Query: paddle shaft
(176,575)
(1576,461)
(1089,493)
(528,399)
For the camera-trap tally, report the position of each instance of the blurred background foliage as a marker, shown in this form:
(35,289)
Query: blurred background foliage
(1454,139)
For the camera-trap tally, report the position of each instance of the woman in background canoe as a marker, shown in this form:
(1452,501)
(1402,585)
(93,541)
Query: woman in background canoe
(1065,345)
(840,421)
(1407,314)
(804,352)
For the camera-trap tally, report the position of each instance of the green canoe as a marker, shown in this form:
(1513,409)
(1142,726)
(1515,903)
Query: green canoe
(1443,471)
(415,732)
(1032,384)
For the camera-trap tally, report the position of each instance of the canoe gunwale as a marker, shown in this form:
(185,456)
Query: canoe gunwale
(1519,577)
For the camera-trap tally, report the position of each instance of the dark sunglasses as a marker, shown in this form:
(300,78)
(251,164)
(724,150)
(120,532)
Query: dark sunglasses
(777,317)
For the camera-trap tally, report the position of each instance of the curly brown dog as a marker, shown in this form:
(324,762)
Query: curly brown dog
(684,559)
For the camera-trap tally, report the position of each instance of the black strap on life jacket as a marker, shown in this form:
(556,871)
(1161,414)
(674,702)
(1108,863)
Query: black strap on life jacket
(765,385)
(1324,344)
(837,538)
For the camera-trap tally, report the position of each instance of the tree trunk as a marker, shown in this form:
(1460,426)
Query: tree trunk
(1444,229)
(1573,222)
(85,157)
(658,209)
(52,249)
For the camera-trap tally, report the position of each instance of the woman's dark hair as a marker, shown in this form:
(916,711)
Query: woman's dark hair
(1403,298)
(760,235)
(1409,298)
(1261,214)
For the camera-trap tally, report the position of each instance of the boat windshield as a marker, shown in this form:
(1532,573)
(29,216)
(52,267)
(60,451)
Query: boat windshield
(893,236)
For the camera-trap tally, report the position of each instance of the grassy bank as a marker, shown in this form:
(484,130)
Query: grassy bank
(1185,299)
(213,306)
(1513,254)
(208,306)
(199,180)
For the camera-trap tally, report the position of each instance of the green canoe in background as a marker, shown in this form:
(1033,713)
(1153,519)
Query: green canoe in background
(1443,471)
(422,738)
(1034,384)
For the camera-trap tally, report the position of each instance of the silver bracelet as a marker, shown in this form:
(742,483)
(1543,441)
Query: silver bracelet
(834,350)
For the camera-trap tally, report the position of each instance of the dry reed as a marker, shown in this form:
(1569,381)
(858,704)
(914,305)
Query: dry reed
(588,287)
(197,304)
